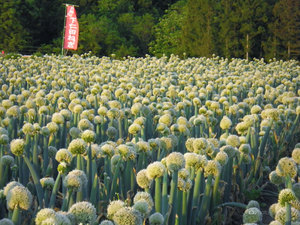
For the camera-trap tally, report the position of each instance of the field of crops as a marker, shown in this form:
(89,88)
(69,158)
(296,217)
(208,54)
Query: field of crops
(87,140)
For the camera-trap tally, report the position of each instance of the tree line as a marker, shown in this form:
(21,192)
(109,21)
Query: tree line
(188,28)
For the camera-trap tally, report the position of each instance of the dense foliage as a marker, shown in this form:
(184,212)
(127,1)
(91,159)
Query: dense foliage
(88,140)
(228,28)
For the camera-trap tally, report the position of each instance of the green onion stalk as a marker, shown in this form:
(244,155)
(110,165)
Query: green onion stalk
(206,200)
(67,200)
(196,197)
(16,215)
(113,186)
(35,153)
(45,154)
(89,171)
(36,180)
(94,191)
(288,218)
(158,196)
(54,191)
(261,150)
(173,196)
(164,199)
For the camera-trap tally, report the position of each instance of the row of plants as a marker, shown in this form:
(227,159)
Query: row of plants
(87,140)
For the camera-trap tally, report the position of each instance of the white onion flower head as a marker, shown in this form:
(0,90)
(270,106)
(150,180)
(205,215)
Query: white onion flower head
(212,168)
(281,215)
(58,118)
(156,219)
(113,207)
(155,170)
(10,186)
(175,161)
(44,214)
(63,155)
(134,129)
(19,196)
(17,147)
(286,166)
(88,136)
(128,216)
(252,215)
(142,179)
(47,182)
(73,182)
(233,140)
(106,222)
(225,123)
(145,196)
(84,212)
(296,155)
(77,146)
(143,207)
(222,158)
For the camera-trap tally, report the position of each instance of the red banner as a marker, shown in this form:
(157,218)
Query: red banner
(72,29)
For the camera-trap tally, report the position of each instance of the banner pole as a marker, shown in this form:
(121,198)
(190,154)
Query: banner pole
(63,38)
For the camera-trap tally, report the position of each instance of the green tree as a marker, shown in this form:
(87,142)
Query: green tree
(252,19)
(286,28)
(13,36)
(199,28)
(168,31)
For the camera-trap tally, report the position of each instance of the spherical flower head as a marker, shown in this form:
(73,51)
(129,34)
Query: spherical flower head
(28,129)
(19,196)
(252,215)
(245,148)
(143,207)
(84,212)
(113,207)
(166,143)
(230,150)
(78,109)
(225,123)
(45,131)
(273,209)
(66,114)
(88,136)
(4,139)
(144,196)
(44,214)
(7,160)
(191,159)
(142,179)
(81,175)
(275,222)
(6,221)
(47,182)
(275,178)
(74,132)
(53,127)
(175,161)
(85,124)
(9,186)
(286,167)
(58,118)
(286,196)
(166,119)
(106,222)
(281,215)
(136,108)
(199,145)
(222,158)
(111,132)
(233,140)
(154,143)
(212,168)
(17,147)
(253,203)
(108,150)
(156,219)
(134,129)
(77,146)
(296,155)
(73,182)
(63,155)
(256,109)
(128,216)
(155,170)
(13,111)
(50,221)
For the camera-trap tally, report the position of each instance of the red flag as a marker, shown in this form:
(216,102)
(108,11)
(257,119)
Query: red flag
(72,29)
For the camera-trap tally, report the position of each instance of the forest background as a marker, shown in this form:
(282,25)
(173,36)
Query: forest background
(188,28)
